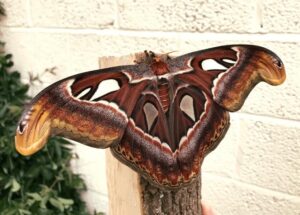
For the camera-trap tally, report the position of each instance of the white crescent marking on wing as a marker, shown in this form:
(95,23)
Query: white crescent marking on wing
(113,105)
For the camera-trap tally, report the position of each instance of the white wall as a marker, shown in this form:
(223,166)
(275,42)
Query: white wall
(256,169)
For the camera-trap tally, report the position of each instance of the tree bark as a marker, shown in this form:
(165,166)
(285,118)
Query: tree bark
(131,194)
(182,201)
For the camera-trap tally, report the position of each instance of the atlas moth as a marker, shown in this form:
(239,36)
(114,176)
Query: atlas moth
(164,115)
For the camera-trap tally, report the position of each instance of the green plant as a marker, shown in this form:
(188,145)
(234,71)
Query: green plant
(39,184)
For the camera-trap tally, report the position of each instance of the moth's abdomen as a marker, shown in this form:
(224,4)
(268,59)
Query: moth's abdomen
(164,97)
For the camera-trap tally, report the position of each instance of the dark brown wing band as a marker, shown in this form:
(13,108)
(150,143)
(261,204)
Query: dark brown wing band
(58,110)
(252,64)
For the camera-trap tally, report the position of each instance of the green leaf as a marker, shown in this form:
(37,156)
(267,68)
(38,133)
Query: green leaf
(24,212)
(22,89)
(65,201)
(5,170)
(44,201)
(15,185)
(30,202)
(28,183)
(14,109)
(35,196)
(8,184)
(10,211)
(3,111)
(56,203)
(54,166)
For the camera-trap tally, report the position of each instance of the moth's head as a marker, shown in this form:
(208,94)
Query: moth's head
(33,130)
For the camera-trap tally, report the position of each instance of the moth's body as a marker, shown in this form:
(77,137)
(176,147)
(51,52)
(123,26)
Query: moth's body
(166,115)
(159,67)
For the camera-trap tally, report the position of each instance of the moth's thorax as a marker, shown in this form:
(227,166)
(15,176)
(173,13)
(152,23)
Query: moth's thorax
(159,67)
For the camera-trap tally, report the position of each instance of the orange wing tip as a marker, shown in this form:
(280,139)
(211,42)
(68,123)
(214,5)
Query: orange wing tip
(33,131)
(26,148)
(276,79)
(271,68)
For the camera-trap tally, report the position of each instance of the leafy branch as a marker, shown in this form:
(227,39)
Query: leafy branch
(42,183)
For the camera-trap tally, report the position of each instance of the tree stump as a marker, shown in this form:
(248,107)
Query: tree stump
(182,201)
(131,194)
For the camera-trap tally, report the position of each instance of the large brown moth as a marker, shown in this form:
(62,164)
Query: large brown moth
(165,116)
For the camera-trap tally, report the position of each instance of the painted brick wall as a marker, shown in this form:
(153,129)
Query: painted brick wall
(256,168)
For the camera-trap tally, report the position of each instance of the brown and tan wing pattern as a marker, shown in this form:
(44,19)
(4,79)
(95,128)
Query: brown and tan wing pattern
(171,151)
(165,115)
(244,66)
(67,108)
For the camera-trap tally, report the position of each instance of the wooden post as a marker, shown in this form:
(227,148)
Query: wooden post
(130,194)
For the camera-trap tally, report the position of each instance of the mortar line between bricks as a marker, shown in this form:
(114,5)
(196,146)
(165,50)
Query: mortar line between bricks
(267,191)
(281,37)
(270,119)
(116,14)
